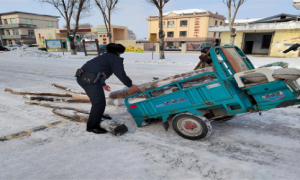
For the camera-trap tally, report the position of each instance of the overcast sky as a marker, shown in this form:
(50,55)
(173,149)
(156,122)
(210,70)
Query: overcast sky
(133,13)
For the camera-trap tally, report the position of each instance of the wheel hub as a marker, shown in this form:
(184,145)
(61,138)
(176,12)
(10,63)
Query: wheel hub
(190,125)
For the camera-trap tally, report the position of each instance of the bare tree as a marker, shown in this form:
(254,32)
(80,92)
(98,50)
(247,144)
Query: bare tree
(68,9)
(233,6)
(107,7)
(160,5)
(131,35)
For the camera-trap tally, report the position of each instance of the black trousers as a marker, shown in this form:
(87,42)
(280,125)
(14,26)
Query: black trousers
(96,94)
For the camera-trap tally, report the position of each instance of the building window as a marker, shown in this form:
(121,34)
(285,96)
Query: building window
(7,32)
(170,24)
(221,23)
(13,21)
(216,23)
(5,21)
(10,42)
(31,32)
(266,41)
(182,34)
(15,32)
(28,21)
(183,23)
(171,34)
(220,34)
(215,34)
(50,23)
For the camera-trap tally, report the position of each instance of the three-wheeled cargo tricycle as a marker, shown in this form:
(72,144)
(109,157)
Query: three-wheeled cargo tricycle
(218,95)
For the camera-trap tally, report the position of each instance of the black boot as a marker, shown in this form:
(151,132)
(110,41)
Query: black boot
(97,130)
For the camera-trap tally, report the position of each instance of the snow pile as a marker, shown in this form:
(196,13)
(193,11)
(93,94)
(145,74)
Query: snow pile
(42,54)
(30,54)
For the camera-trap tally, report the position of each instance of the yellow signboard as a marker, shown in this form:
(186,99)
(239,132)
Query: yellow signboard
(153,37)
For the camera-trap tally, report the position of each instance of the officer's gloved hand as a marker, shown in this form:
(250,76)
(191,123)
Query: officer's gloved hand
(134,88)
(106,88)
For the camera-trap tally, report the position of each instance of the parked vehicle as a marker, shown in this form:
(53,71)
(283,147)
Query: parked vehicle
(3,48)
(15,47)
(33,45)
(194,102)
(12,47)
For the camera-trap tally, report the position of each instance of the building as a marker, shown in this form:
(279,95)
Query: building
(18,27)
(267,36)
(242,21)
(119,33)
(187,25)
(296,4)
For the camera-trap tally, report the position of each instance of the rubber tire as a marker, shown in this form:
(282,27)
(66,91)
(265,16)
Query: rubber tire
(205,125)
(6,50)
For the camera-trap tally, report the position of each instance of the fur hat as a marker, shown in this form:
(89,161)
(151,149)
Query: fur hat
(205,49)
(116,48)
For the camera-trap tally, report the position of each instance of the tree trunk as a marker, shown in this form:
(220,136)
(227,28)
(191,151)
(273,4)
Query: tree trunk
(57,107)
(161,36)
(109,27)
(73,47)
(232,36)
(36,94)
(68,89)
(123,93)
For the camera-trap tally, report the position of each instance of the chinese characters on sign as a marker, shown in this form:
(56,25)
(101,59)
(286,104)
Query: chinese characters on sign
(196,27)
(103,38)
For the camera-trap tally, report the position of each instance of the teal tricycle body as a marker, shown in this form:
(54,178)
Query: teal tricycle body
(216,95)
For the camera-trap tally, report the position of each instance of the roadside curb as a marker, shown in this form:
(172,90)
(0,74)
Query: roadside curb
(27,132)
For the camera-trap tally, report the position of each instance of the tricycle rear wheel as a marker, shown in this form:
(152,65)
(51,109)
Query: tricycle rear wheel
(191,126)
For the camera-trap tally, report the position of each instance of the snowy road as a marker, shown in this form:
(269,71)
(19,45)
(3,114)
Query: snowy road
(248,147)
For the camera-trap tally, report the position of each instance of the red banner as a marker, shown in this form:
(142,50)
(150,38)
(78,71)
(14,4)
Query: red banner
(78,30)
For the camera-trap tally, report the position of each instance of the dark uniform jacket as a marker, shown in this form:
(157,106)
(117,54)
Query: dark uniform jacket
(108,63)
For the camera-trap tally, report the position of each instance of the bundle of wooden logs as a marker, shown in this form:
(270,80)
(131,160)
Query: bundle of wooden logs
(123,93)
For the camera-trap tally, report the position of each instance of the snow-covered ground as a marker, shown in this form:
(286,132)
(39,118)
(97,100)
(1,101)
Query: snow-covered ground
(248,147)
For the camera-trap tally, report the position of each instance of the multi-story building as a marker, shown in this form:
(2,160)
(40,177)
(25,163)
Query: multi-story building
(187,25)
(18,27)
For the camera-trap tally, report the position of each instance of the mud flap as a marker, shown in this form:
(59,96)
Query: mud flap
(166,125)
(165,122)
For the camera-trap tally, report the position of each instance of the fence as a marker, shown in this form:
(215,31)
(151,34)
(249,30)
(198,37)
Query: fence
(175,45)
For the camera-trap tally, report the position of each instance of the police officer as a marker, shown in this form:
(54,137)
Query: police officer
(91,77)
